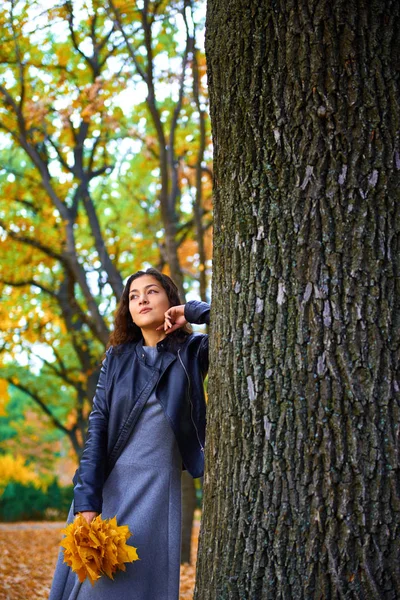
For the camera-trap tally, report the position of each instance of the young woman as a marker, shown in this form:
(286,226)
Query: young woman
(147,424)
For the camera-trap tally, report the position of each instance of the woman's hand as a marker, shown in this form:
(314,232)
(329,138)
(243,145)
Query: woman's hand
(89,515)
(174,318)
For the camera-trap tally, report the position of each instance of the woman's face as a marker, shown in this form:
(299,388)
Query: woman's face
(148,301)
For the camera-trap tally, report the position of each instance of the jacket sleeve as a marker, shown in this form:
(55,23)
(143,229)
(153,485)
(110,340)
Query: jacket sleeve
(89,478)
(199,312)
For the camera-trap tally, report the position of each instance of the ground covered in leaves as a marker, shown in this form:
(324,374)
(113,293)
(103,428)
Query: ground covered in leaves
(29,553)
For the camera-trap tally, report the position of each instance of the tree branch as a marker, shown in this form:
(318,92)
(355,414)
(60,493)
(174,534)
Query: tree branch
(131,50)
(18,56)
(62,373)
(30,282)
(174,122)
(40,403)
(58,151)
(114,277)
(32,242)
(70,18)
(197,208)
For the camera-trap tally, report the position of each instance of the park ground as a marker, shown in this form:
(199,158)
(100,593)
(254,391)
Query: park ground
(29,553)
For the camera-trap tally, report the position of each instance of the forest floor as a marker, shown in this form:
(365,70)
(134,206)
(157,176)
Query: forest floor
(29,553)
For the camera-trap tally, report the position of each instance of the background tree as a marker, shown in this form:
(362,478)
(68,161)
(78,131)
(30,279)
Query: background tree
(80,206)
(129,19)
(103,170)
(302,496)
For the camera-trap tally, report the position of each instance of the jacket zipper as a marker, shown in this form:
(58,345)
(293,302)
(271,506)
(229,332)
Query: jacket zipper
(191,403)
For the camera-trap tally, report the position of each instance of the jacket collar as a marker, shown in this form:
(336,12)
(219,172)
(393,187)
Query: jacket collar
(168,346)
(162,346)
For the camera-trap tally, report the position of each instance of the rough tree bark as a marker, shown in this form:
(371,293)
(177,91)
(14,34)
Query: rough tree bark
(302,485)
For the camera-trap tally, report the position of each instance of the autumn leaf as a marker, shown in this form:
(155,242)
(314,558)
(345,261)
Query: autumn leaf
(96,548)
(32,549)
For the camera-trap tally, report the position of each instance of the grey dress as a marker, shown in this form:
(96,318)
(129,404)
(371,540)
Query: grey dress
(144,491)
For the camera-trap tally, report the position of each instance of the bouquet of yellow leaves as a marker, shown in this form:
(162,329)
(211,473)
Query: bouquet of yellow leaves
(96,548)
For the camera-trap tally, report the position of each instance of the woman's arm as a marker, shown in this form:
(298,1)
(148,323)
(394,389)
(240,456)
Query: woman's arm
(199,312)
(193,311)
(89,478)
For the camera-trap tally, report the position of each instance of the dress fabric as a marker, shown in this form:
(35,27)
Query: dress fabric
(144,491)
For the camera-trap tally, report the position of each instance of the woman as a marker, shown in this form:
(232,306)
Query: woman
(146,424)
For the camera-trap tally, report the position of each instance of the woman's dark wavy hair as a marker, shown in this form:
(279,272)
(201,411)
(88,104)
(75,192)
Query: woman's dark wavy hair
(125,330)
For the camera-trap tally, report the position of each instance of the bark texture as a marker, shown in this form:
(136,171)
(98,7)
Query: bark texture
(302,484)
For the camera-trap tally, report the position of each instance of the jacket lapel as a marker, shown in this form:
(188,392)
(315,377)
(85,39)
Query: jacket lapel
(138,402)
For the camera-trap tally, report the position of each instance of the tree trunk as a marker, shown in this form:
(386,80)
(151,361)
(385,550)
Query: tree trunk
(188,508)
(302,489)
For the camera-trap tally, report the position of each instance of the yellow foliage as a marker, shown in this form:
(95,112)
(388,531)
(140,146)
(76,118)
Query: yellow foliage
(63,56)
(96,548)
(4,397)
(14,469)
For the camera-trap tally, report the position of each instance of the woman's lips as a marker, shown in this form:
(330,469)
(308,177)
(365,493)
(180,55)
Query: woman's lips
(144,310)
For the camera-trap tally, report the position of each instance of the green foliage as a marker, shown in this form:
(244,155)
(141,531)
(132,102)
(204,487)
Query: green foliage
(24,429)
(26,502)
(16,407)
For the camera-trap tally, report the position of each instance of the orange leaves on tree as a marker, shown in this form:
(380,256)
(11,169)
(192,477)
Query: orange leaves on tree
(97,548)
(126,8)
(91,100)
(58,12)
(35,112)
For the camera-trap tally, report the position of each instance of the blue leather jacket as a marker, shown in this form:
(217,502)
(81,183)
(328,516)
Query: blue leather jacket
(125,383)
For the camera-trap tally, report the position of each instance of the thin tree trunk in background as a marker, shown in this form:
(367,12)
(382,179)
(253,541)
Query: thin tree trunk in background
(188,508)
(302,489)
(198,203)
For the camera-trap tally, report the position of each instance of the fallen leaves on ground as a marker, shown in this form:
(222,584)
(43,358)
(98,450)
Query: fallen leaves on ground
(29,553)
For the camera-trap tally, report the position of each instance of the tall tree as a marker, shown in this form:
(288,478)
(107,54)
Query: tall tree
(80,181)
(148,17)
(302,494)
(97,179)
